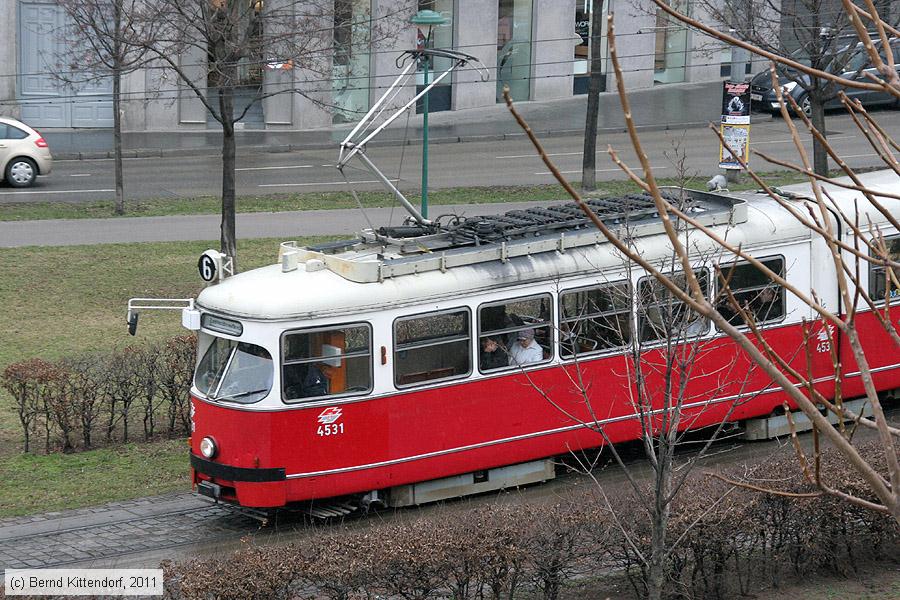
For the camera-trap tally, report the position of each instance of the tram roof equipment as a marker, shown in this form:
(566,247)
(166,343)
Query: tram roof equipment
(416,248)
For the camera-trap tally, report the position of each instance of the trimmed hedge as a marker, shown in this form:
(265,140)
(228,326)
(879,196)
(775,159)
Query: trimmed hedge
(732,541)
(68,404)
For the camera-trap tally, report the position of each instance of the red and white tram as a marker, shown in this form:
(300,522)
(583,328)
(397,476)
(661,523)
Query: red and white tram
(362,368)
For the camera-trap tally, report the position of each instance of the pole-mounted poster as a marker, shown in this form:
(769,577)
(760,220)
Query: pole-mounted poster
(735,126)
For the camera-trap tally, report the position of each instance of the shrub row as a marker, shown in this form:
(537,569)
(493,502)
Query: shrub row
(69,404)
(730,541)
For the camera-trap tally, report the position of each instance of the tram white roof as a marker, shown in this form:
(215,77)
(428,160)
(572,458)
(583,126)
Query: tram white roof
(321,288)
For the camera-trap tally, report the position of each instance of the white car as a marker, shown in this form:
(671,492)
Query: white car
(24,154)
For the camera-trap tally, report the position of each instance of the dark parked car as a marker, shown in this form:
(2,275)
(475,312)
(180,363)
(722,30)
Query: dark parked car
(764,98)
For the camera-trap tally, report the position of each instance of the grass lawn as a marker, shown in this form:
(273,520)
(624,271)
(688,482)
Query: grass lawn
(67,301)
(331,200)
(34,483)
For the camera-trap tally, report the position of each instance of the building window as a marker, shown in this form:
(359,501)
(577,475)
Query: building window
(350,66)
(514,333)
(880,285)
(663,317)
(671,45)
(594,319)
(514,48)
(759,296)
(326,362)
(432,347)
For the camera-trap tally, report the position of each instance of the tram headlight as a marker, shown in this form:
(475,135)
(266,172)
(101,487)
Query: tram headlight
(208,447)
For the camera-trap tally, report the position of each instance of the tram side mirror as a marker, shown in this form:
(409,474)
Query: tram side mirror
(132,324)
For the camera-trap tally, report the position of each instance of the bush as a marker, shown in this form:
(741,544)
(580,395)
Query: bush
(73,398)
(730,542)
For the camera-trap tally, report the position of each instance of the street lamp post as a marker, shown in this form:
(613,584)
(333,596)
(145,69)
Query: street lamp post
(427,18)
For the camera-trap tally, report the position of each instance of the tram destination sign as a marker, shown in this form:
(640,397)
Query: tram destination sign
(226,326)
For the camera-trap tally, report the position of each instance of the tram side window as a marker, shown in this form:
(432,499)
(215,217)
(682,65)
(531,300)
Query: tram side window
(758,295)
(431,347)
(663,317)
(319,363)
(595,319)
(882,283)
(514,333)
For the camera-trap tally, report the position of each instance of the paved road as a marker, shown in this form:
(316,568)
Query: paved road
(476,163)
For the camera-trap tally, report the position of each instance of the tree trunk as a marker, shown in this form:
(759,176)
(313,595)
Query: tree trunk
(656,570)
(117,113)
(226,110)
(589,157)
(117,142)
(86,426)
(820,156)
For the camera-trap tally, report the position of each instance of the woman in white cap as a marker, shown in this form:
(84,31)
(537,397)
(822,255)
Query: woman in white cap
(525,350)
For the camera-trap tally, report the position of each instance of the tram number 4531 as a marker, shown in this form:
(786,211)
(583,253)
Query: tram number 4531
(335,429)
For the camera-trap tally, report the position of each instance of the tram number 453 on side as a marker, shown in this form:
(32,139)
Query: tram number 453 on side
(328,422)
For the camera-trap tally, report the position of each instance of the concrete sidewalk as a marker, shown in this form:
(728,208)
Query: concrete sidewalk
(282,225)
(663,107)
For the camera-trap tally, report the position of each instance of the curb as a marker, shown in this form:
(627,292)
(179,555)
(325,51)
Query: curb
(287,148)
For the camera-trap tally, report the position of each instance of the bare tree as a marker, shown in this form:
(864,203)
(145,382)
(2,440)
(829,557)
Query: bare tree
(100,31)
(665,392)
(216,46)
(85,388)
(864,245)
(667,395)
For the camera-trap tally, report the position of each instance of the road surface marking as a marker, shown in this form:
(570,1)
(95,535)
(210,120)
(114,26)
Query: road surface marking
(535,155)
(806,139)
(275,168)
(321,183)
(80,174)
(862,155)
(598,171)
(59,192)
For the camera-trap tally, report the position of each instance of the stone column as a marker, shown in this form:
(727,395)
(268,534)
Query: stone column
(191,111)
(475,33)
(553,48)
(134,100)
(9,56)
(278,110)
(635,43)
(704,53)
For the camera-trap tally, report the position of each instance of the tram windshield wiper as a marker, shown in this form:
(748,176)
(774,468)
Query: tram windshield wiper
(242,394)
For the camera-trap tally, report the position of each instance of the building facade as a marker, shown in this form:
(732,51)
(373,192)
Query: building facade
(540,48)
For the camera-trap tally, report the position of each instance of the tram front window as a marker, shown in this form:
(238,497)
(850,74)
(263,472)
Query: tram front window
(235,372)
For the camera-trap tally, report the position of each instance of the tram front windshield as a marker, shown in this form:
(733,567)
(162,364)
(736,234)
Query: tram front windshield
(235,372)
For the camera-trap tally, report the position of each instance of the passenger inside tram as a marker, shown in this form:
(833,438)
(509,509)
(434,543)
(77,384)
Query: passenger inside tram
(526,350)
(305,381)
(493,354)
